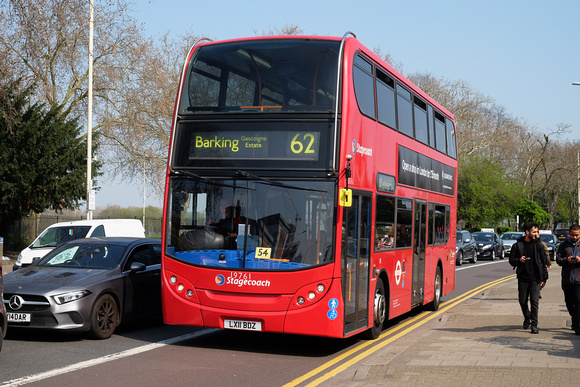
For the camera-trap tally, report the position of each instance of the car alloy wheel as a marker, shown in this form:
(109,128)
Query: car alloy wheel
(104,317)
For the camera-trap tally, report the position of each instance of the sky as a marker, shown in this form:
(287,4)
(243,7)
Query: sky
(523,54)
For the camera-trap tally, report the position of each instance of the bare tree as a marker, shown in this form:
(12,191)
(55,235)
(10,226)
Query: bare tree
(387,57)
(287,29)
(134,78)
(547,166)
(481,125)
(139,112)
(47,44)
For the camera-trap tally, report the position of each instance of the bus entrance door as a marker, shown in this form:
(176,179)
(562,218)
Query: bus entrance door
(419,243)
(356,239)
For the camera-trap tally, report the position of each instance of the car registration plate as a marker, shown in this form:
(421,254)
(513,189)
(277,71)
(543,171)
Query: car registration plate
(243,325)
(18,317)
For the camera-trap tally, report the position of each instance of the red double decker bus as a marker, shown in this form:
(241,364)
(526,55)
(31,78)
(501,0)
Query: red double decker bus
(311,189)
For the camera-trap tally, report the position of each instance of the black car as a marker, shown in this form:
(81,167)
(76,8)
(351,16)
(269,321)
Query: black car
(489,246)
(465,248)
(562,233)
(87,285)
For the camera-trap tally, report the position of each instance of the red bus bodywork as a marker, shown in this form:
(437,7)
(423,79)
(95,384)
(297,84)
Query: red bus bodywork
(212,296)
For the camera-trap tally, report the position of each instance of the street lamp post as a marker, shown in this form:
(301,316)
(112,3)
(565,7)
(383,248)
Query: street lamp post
(90,198)
(578,84)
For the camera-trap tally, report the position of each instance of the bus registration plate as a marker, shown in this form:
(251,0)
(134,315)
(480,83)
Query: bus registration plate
(243,325)
(18,317)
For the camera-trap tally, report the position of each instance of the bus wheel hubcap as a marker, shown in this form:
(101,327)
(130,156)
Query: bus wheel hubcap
(380,308)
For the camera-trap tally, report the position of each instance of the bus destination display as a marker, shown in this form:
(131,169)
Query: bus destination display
(271,145)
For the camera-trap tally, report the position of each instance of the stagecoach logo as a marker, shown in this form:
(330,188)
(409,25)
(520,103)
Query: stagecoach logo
(220,279)
(240,280)
(15,302)
(358,148)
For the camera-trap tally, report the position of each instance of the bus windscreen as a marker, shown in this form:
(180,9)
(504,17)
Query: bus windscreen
(262,76)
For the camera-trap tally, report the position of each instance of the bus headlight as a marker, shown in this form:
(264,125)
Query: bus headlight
(181,287)
(310,294)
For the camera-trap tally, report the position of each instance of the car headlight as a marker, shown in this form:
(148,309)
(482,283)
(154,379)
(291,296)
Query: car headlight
(71,296)
(486,247)
(19,259)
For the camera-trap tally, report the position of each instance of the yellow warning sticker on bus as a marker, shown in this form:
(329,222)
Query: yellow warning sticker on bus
(345,199)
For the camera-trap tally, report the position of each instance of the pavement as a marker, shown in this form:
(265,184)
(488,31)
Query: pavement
(479,342)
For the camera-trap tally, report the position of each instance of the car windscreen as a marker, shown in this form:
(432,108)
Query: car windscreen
(548,238)
(483,237)
(511,236)
(90,256)
(54,236)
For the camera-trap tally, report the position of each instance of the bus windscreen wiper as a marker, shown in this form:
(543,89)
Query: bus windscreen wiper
(206,180)
(276,183)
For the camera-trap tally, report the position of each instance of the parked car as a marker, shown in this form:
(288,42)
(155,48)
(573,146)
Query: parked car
(88,285)
(552,242)
(508,239)
(3,320)
(562,233)
(465,247)
(488,245)
(62,232)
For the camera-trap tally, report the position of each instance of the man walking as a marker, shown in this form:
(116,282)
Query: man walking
(529,259)
(568,256)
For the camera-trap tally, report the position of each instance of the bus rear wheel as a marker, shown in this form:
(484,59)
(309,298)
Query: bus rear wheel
(379,311)
(438,291)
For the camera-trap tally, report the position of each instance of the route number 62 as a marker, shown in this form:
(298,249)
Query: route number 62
(304,144)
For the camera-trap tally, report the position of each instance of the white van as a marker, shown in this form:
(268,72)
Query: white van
(59,233)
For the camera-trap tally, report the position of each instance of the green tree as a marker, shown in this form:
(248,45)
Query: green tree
(530,211)
(485,195)
(42,159)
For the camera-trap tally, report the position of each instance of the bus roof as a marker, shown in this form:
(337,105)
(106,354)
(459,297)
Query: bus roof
(352,38)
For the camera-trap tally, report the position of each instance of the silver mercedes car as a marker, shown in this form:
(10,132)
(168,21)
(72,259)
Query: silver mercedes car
(3,321)
(87,285)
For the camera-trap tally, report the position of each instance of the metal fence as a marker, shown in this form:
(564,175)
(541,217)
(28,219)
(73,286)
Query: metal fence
(24,231)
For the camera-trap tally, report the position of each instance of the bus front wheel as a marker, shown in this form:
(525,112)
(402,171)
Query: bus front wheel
(379,311)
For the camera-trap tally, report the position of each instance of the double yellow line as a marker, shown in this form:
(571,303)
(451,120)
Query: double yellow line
(385,338)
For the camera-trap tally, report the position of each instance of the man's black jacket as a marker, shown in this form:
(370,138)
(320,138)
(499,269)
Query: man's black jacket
(538,257)
(570,271)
